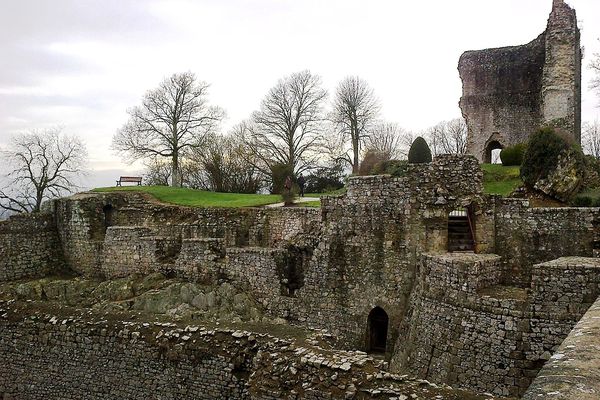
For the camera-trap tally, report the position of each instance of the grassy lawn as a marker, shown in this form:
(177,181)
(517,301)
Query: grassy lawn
(501,180)
(496,180)
(198,198)
(332,193)
(588,198)
(315,204)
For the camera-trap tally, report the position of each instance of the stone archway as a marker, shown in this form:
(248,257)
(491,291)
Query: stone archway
(490,152)
(377,322)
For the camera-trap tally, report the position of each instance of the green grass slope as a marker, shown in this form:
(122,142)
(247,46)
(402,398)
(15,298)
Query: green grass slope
(198,198)
(496,180)
(501,180)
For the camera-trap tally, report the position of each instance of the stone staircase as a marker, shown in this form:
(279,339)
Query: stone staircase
(460,237)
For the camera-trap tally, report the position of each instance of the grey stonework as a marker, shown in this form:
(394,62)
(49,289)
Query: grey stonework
(510,92)
(75,355)
(485,321)
(29,247)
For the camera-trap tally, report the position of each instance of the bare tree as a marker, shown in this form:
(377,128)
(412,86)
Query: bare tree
(591,138)
(355,108)
(43,165)
(158,172)
(387,139)
(172,119)
(448,137)
(595,67)
(287,128)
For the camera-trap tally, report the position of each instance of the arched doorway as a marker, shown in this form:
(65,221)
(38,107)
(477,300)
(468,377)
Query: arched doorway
(378,329)
(492,152)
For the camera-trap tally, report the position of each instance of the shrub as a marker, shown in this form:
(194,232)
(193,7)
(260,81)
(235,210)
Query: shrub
(541,156)
(370,160)
(419,152)
(279,172)
(391,167)
(583,201)
(513,155)
(288,196)
(322,184)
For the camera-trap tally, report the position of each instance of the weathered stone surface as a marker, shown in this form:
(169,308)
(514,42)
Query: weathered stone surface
(573,372)
(510,92)
(565,180)
(82,354)
(29,247)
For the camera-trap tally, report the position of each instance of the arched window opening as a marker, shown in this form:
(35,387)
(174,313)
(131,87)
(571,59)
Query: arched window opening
(378,330)
(461,232)
(492,153)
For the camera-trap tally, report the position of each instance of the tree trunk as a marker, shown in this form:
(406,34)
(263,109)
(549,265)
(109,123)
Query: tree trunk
(175,175)
(355,159)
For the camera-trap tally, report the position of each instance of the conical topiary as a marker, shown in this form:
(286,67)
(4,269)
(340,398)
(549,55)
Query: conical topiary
(419,152)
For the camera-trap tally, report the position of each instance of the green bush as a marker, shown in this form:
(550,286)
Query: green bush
(288,196)
(279,172)
(391,167)
(541,156)
(323,181)
(583,201)
(513,155)
(419,152)
(370,161)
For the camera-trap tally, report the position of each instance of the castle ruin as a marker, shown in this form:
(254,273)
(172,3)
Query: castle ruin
(420,276)
(510,92)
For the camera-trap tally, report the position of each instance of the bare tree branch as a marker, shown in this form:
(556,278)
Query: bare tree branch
(590,139)
(448,137)
(388,140)
(355,108)
(595,67)
(287,128)
(44,165)
(173,118)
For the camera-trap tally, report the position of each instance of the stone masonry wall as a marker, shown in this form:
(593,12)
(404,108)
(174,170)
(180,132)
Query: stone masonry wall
(527,236)
(501,95)
(83,355)
(372,238)
(561,91)
(29,247)
(572,372)
(496,338)
(85,222)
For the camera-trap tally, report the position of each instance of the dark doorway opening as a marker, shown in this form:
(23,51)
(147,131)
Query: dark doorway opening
(109,216)
(461,231)
(378,330)
(492,153)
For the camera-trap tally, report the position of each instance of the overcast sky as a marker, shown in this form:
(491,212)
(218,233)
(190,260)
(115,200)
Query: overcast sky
(81,63)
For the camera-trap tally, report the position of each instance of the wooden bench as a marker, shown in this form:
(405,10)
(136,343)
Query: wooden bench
(130,179)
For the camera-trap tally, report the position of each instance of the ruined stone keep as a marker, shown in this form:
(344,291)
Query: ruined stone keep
(510,92)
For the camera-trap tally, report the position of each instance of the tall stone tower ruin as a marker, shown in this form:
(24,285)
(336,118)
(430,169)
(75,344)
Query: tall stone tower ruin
(510,92)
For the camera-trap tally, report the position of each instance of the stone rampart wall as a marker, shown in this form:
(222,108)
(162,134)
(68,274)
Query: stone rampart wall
(372,238)
(83,355)
(567,286)
(86,221)
(496,338)
(527,236)
(572,372)
(29,247)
